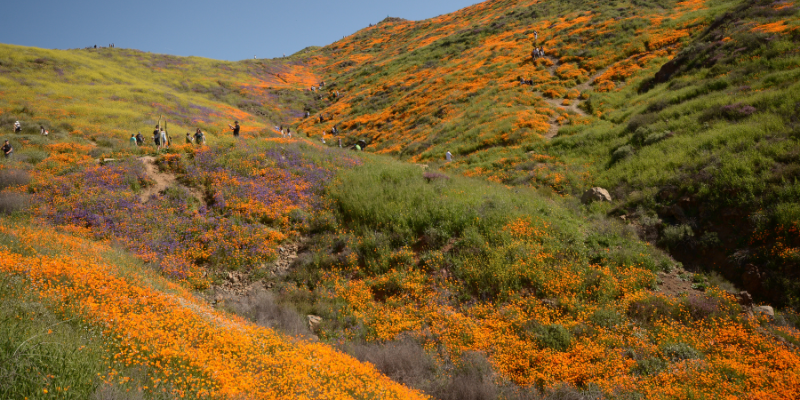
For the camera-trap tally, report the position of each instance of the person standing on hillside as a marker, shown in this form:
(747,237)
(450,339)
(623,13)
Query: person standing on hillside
(235,128)
(17,127)
(157,138)
(7,149)
(133,141)
(163,138)
(188,138)
(199,137)
(139,139)
(448,156)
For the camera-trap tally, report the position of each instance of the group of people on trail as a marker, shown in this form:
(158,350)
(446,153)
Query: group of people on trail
(537,52)
(284,133)
(199,138)
(163,140)
(523,81)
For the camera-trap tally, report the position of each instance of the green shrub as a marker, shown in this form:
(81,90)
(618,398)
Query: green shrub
(675,235)
(680,351)
(622,152)
(649,366)
(606,318)
(553,336)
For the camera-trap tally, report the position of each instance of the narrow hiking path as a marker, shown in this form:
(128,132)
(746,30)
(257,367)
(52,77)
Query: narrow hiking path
(559,104)
(162,181)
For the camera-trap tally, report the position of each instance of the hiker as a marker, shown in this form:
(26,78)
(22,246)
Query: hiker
(7,149)
(448,156)
(139,139)
(321,120)
(41,130)
(308,114)
(133,141)
(199,137)
(188,138)
(235,128)
(157,138)
(535,35)
(165,142)
(17,127)
(289,132)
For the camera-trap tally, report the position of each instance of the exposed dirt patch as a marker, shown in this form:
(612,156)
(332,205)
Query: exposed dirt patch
(677,283)
(241,284)
(162,181)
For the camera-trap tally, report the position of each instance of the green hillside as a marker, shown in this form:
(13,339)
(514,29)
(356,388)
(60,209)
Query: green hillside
(685,111)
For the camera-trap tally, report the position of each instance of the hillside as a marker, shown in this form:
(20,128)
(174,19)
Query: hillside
(268,266)
(685,111)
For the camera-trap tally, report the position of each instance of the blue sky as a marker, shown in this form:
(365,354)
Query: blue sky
(224,30)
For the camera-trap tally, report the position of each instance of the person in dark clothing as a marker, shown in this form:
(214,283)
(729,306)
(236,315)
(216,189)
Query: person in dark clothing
(139,138)
(7,149)
(235,128)
(199,137)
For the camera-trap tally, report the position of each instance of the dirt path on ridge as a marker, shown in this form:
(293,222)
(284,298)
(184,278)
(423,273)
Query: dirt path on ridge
(163,181)
(559,103)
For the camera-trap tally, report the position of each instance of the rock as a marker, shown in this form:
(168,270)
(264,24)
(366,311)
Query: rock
(766,310)
(313,321)
(745,299)
(595,194)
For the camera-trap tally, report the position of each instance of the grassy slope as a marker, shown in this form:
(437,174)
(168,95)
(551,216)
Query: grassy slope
(107,94)
(690,177)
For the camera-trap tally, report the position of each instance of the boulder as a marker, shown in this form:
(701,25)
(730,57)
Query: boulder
(595,194)
(313,322)
(766,310)
(745,299)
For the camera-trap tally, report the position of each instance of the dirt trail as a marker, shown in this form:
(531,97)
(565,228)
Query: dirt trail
(559,103)
(163,181)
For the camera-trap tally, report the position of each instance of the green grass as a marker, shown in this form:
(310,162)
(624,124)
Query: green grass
(42,354)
